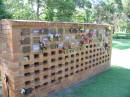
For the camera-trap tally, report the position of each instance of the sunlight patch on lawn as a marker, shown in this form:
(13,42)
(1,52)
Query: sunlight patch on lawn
(121,58)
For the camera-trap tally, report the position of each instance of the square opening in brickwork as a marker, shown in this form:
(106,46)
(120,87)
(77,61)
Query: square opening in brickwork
(53,52)
(93,55)
(93,60)
(27,74)
(66,57)
(26,66)
(37,79)
(37,71)
(66,75)
(53,73)
(81,69)
(86,68)
(86,52)
(45,69)
(96,63)
(60,51)
(82,64)
(86,63)
(77,60)
(60,65)
(60,78)
(45,54)
(90,61)
(89,67)
(45,76)
(91,46)
(90,56)
(66,69)
(46,83)
(60,58)
(72,61)
(71,73)
(72,67)
(90,51)
(72,55)
(36,56)
(77,71)
(27,82)
(82,53)
(102,61)
(86,57)
(77,66)
(87,46)
(59,72)
(53,60)
(66,63)
(36,64)
(38,86)
(77,54)
(52,81)
(82,59)
(45,62)
(94,45)
(52,67)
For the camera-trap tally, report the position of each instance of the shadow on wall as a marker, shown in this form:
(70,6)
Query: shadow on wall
(112,83)
(121,44)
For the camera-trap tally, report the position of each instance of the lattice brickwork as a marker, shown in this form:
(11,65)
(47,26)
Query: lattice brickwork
(42,57)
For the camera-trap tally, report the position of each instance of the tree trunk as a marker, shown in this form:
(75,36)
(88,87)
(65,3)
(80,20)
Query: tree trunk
(38,9)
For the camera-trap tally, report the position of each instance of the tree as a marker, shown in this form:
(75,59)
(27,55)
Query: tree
(20,9)
(38,6)
(60,10)
(3,12)
(84,11)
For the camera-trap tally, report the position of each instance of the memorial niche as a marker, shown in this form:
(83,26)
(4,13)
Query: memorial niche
(25,40)
(25,32)
(67,40)
(37,31)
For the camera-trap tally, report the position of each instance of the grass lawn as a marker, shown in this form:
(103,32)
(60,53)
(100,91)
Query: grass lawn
(121,44)
(112,83)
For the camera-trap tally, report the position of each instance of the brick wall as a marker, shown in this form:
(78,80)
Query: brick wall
(43,57)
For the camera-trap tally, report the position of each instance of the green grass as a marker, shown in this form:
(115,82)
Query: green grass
(121,44)
(112,83)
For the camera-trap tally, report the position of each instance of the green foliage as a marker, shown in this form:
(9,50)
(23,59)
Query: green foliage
(3,12)
(20,10)
(60,10)
(114,12)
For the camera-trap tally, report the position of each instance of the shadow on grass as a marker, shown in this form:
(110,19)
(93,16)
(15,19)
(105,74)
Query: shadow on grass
(121,44)
(112,83)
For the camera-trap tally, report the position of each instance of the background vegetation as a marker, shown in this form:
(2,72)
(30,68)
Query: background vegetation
(114,12)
